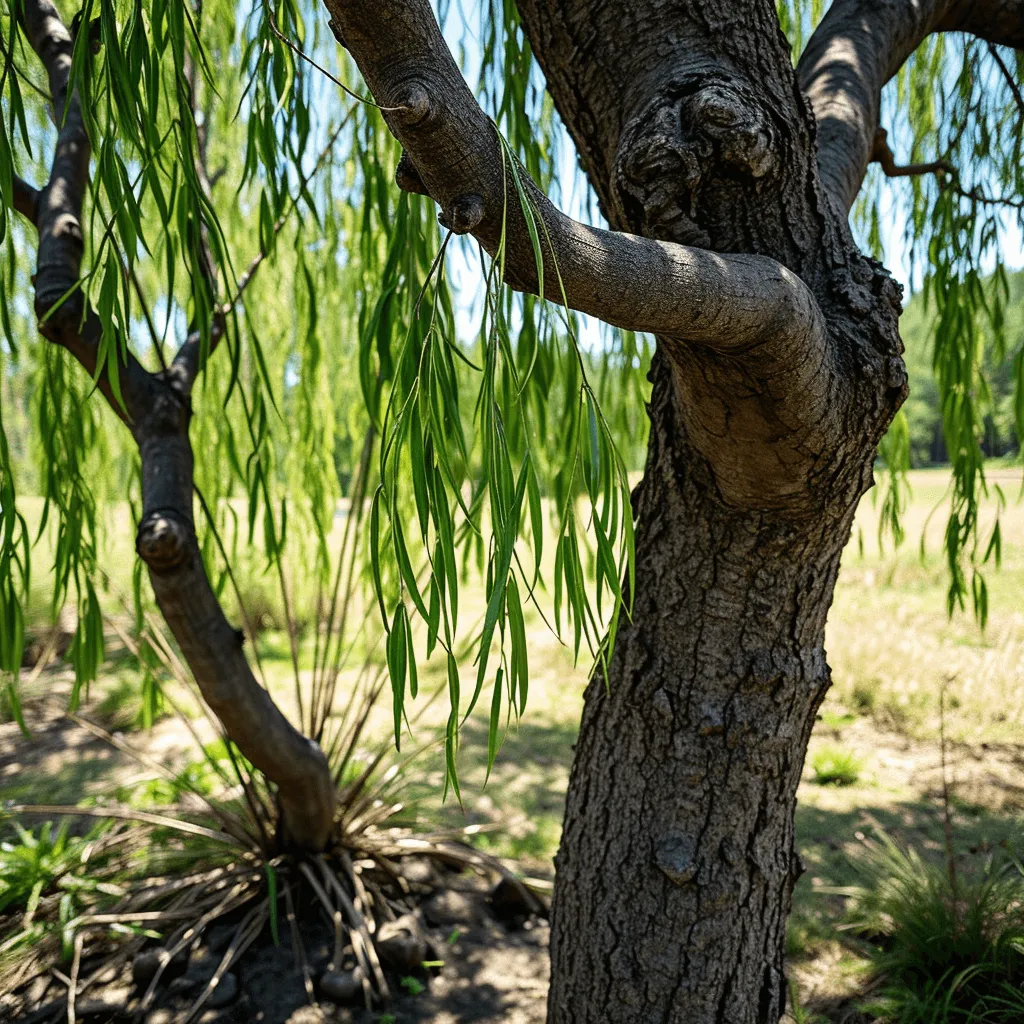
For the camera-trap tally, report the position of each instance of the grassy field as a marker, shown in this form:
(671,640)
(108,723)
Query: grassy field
(903,671)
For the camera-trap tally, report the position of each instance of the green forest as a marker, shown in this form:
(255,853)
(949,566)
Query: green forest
(1003,365)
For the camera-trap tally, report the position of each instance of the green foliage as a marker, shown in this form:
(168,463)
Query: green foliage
(412,985)
(950,949)
(353,332)
(365,363)
(48,877)
(833,766)
(923,409)
(956,101)
(41,858)
(798,1014)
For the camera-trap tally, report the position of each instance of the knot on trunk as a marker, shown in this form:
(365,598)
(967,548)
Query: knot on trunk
(697,135)
(676,858)
(162,541)
(408,178)
(465,213)
(868,303)
(412,104)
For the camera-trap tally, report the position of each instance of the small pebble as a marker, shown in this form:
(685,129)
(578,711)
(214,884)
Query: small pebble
(342,986)
(224,993)
(450,908)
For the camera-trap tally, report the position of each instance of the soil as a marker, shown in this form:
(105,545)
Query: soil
(491,973)
(495,970)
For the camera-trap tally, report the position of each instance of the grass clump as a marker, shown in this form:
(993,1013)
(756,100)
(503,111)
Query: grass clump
(947,949)
(35,861)
(834,766)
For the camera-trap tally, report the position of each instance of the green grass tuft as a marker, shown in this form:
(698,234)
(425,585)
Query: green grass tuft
(833,766)
(950,949)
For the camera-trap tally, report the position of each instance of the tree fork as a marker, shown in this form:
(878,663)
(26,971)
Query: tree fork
(778,371)
(677,864)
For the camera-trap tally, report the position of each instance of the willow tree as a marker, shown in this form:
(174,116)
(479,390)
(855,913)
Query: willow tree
(728,158)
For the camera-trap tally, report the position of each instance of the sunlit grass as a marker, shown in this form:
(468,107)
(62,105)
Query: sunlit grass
(892,649)
(833,766)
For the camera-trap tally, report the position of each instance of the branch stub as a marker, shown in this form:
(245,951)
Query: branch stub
(465,213)
(162,541)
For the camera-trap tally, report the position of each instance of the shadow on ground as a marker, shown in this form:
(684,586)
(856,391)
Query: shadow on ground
(496,976)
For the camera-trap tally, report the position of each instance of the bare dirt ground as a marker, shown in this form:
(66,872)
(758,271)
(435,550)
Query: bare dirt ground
(492,973)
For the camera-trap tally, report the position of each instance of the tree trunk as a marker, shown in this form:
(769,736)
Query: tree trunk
(166,541)
(778,371)
(677,864)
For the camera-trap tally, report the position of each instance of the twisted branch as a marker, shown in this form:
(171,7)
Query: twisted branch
(453,153)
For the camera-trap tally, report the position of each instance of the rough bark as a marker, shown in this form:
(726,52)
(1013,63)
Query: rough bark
(676,869)
(677,865)
(166,542)
(156,408)
(677,861)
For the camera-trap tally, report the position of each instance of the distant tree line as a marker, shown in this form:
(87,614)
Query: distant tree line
(923,409)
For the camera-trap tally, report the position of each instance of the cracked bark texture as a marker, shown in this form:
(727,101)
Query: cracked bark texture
(677,864)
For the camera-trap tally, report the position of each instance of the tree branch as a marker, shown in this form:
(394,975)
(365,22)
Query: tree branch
(64,316)
(26,199)
(883,155)
(996,21)
(453,153)
(858,46)
(158,412)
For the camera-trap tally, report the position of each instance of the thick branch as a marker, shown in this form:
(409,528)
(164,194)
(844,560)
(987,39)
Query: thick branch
(453,152)
(996,21)
(26,199)
(858,46)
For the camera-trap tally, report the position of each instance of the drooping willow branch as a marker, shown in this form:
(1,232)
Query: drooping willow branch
(858,46)
(56,211)
(157,410)
(186,363)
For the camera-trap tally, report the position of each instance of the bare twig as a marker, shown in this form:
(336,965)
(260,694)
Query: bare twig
(883,155)
(1008,76)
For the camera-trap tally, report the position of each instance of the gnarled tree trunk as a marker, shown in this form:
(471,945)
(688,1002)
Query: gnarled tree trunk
(778,370)
(677,863)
